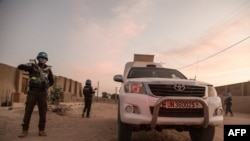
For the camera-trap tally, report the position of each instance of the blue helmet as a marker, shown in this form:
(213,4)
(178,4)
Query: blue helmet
(42,55)
(88,82)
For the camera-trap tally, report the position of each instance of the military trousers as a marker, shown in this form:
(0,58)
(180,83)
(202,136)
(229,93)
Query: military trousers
(37,97)
(87,106)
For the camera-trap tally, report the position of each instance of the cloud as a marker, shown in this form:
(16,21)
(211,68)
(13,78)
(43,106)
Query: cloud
(228,66)
(219,38)
(97,45)
(110,38)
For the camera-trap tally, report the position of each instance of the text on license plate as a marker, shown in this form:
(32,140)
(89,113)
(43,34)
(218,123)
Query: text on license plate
(181,104)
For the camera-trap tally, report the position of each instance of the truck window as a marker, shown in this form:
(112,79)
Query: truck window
(142,72)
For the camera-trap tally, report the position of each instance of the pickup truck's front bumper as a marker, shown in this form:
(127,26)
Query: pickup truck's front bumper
(141,115)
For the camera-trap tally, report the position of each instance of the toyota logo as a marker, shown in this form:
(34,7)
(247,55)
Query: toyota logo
(179,87)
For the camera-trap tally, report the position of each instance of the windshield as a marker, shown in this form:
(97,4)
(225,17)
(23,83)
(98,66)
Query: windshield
(138,72)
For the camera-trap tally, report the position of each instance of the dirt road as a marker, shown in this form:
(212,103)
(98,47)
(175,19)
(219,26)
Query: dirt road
(102,126)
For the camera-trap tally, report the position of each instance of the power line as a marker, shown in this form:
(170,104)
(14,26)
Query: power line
(225,21)
(216,53)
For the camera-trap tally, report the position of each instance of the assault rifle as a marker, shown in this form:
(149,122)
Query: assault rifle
(43,75)
(40,69)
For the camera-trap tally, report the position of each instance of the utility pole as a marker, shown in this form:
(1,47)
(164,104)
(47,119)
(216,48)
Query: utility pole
(97,90)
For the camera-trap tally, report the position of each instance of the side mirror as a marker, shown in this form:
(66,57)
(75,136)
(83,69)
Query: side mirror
(118,78)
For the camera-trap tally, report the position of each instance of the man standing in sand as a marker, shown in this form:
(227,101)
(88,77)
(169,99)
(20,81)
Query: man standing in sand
(41,78)
(228,103)
(88,92)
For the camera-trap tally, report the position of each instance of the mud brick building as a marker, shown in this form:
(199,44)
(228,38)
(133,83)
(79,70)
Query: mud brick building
(14,85)
(241,95)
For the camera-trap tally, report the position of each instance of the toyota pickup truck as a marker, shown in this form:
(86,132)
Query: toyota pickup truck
(155,98)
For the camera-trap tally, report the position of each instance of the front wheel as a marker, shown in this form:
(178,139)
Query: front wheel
(124,130)
(202,134)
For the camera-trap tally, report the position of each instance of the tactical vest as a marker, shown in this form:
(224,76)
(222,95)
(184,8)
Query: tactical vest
(40,79)
(87,91)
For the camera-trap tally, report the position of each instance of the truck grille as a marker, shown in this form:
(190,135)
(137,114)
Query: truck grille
(179,112)
(169,90)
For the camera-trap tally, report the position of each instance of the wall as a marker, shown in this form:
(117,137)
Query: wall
(79,89)
(72,89)
(14,83)
(241,95)
(238,89)
(59,81)
(7,82)
(240,104)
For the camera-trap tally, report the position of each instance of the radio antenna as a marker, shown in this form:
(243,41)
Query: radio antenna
(196,68)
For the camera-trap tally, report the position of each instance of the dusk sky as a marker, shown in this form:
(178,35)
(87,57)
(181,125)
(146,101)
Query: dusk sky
(93,39)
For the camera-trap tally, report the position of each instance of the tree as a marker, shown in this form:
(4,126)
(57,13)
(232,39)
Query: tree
(105,95)
(56,96)
(114,96)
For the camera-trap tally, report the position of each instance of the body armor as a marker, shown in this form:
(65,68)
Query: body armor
(40,79)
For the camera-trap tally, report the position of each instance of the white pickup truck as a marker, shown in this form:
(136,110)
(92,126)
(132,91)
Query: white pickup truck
(155,98)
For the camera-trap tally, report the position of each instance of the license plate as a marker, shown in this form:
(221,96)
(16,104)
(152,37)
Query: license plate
(181,104)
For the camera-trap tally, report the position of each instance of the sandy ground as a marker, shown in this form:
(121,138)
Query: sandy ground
(102,126)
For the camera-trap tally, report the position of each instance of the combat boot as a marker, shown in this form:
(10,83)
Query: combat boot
(42,133)
(23,134)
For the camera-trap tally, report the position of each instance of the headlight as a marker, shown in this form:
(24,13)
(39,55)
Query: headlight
(134,87)
(212,91)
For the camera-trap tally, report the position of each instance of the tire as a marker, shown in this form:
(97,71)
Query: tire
(202,134)
(124,130)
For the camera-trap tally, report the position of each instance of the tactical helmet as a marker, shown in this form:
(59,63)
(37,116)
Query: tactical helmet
(88,82)
(42,55)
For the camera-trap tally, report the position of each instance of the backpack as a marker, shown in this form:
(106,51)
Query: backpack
(228,101)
